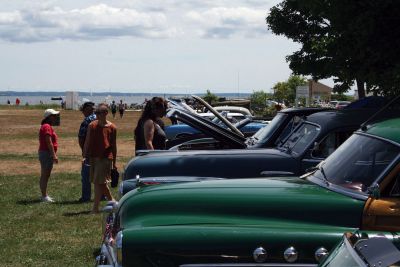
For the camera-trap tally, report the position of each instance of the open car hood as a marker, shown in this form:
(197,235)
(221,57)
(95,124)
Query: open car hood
(203,125)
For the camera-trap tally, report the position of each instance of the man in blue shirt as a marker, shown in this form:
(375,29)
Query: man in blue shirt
(87,111)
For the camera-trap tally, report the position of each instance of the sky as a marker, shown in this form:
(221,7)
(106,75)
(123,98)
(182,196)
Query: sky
(170,46)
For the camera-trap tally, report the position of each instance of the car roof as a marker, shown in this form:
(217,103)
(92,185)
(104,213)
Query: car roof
(303,110)
(388,129)
(341,118)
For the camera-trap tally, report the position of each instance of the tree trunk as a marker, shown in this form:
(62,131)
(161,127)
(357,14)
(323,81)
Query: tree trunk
(360,88)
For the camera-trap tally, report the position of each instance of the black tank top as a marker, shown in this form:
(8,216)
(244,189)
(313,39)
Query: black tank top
(158,138)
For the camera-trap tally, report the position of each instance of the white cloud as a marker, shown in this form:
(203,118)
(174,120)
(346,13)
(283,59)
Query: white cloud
(222,22)
(94,22)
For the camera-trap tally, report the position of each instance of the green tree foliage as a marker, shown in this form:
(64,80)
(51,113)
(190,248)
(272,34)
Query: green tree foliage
(210,97)
(353,41)
(258,100)
(286,91)
(342,97)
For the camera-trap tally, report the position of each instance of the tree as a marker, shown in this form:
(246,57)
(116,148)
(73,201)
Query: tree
(210,97)
(353,41)
(258,100)
(286,91)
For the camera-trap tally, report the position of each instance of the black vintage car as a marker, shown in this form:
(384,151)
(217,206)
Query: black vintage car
(313,140)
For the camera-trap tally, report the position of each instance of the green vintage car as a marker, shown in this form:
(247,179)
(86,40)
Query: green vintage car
(262,221)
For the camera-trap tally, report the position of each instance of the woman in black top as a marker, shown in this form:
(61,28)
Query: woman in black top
(149,133)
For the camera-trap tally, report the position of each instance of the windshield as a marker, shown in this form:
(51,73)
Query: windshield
(265,133)
(358,162)
(343,255)
(299,140)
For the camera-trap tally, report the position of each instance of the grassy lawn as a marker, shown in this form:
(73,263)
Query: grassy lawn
(42,234)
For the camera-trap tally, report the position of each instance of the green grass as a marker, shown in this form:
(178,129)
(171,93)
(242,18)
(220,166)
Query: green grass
(38,106)
(25,157)
(46,234)
(34,135)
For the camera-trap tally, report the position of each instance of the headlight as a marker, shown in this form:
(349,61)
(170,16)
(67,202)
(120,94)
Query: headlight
(118,247)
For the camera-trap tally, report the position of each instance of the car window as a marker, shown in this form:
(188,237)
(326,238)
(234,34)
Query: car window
(299,140)
(291,125)
(266,132)
(330,143)
(358,162)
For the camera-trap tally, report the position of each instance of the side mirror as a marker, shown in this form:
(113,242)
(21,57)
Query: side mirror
(374,191)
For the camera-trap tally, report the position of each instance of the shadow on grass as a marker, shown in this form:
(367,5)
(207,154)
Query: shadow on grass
(96,252)
(72,214)
(70,202)
(28,201)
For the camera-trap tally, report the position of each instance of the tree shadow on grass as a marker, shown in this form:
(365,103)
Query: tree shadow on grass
(72,214)
(28,201)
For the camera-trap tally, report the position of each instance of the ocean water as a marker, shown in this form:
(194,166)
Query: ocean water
(34,100)
(128,99)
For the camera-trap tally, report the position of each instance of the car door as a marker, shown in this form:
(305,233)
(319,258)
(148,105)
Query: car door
(383,213)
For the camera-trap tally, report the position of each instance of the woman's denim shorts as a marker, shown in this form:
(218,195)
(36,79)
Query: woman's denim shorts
(46,161)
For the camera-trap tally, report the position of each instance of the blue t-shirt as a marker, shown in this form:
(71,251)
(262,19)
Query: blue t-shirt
(84,125)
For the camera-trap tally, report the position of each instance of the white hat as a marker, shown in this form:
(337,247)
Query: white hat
(49,112)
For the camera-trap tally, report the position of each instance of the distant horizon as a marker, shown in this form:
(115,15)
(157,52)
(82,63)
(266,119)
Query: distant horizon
(56,92)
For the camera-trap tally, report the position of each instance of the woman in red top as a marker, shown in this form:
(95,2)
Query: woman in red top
(47,149)
(101,148)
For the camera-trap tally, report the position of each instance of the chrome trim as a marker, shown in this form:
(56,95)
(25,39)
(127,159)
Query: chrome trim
(121,189)
(321,254)
(291,254)
(108,253)
(250,265)
(260,254)
(353,253)
(118,246)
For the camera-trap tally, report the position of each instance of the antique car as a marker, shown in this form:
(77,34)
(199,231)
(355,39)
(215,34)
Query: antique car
(257,222)
(365,249)
(248,127)
(312,140)
(222,138)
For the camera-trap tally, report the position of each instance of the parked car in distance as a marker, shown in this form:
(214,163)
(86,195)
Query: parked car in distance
(313,139)
(180,130)
(342,104)
(251,222)
(233,109)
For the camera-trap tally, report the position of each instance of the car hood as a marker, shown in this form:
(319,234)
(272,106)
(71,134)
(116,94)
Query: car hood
(207,127)
(233,163)
(239,202)
(216,221)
